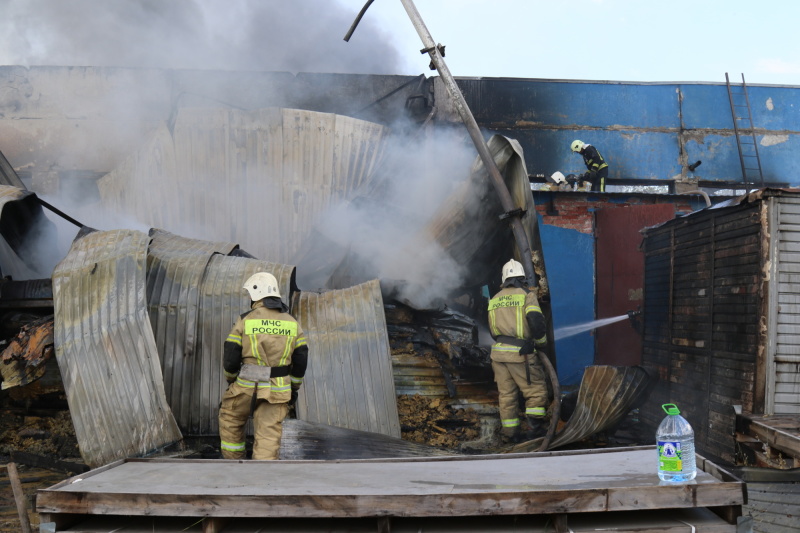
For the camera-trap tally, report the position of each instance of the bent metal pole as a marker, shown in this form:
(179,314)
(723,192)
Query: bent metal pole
(521,238)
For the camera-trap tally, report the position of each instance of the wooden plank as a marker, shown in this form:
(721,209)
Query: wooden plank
(779,432)
(620,479)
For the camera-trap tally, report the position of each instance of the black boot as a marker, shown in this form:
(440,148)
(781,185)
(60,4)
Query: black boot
(511,437)
(537,427)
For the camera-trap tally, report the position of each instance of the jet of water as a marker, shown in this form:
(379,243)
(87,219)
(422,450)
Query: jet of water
(569,331)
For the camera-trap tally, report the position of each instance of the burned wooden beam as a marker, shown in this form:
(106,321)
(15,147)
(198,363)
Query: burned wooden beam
(24,360)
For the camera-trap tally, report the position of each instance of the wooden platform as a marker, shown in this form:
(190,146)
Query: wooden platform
(774,440)
(553,483)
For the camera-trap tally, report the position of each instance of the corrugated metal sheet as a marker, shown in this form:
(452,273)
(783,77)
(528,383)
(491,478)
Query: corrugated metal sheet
(106,350)
(606,395)
(349,381)
(7,174)
(221,301)
(260,178)
(703,309)
(783,353)
(176,267)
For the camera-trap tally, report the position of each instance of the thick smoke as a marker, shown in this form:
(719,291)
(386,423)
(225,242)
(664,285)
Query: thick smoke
(264,35)
(387,233)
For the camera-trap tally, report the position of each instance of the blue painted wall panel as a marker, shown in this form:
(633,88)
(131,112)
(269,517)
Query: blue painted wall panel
(645,131)
(596,105)
(569,260)
(640,154)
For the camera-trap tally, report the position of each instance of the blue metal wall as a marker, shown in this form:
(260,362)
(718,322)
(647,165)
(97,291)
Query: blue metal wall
(569,260)
(645,131)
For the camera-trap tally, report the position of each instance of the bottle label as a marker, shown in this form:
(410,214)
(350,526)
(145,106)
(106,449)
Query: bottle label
(669,456)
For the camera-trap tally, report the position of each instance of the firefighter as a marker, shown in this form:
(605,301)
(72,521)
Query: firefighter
(517,325)
(264,360)
(596,165)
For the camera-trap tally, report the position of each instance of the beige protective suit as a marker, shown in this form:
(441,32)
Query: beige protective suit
(263,340)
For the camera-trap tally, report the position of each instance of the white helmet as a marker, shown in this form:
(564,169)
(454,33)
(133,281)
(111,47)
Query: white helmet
(512,269)
(261,285)
(577,145)
(558,178)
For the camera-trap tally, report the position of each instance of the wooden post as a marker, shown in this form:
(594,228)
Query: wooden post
(19,497)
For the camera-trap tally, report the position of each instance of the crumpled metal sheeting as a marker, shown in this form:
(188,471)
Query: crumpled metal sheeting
(106,351)
(8,175)
(349,382)
(260,178)
(468,226)
(21,219)
(175,269)
(303,440)
(606,395)
(222,300)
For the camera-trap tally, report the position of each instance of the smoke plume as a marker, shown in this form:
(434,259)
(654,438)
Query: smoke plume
(263,35)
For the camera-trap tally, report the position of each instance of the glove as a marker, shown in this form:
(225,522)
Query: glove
(527,348)
(293,399)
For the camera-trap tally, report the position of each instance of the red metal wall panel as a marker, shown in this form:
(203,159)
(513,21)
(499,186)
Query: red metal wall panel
(620,277)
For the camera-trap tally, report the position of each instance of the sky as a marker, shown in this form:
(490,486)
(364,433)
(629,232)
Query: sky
(619,40)
(616,40)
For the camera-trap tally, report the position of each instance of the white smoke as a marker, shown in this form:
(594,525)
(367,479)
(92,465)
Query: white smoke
(386,233)
(262,35)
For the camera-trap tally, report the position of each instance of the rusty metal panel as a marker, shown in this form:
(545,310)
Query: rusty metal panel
(106,350)
(221,301)
(701,323)
(783,376)
(349,382)
(620,277)
(260,178)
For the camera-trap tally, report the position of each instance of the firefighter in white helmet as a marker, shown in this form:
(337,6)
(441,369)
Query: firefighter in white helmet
(518,326)
(597,168)
(264,360)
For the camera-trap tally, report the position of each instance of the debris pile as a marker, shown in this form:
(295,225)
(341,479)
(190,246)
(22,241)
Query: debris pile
(435,422)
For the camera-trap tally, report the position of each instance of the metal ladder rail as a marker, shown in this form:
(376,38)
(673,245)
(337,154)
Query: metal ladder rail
(738,132)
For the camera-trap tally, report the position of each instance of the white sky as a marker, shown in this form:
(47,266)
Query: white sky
(623,40)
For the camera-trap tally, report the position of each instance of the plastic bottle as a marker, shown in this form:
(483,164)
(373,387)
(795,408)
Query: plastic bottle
(675,443)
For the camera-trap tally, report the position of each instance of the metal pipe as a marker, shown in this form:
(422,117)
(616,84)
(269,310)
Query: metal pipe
(704,194)
(59,212)
(358,19)
(506,201)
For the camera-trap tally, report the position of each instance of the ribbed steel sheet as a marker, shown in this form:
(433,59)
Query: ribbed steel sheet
(221,301)
(175,270)
(106,350)
(349,380)
(260,178)
(606,395)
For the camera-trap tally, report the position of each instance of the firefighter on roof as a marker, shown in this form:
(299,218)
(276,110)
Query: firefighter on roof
(264,361)
(517,325)
(596,165)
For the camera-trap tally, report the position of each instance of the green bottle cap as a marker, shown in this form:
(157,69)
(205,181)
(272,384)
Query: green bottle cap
(671,409)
